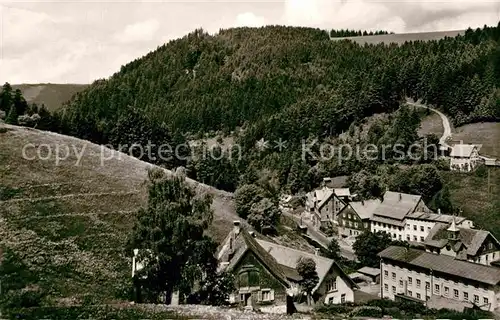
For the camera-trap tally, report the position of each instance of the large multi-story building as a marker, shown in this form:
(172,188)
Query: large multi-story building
(405,217)
(431,277)
(390,214)
(420,224)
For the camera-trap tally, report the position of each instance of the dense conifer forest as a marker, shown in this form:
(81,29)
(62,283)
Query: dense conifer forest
(292,84)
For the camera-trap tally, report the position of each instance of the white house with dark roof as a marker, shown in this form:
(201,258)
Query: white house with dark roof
(439,280)
(464,157)
(390,214)
(467,244)
(405,217)
(419,224)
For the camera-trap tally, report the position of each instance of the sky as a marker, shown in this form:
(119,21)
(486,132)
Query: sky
(77,41)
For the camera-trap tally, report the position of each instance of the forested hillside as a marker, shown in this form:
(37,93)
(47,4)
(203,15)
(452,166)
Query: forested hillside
(286,83)
(294,76)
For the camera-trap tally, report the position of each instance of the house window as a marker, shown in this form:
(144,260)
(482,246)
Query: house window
(350,217)
(267,295)
(355,225)
(386,287)
(446,291)
(407,237)
(421,239)
(394,276)
(330,300)
(418,283)
(366,225)
(428,228)
(408,226)
(422,228)
(394,235)
(410,281)
(427,298)
(455,293)
(331,285)
(436,288)
(342,298)
(393,289)
(419,296)
(350,224)
(476,298)
(410,293)
(400,237)
(414,238)
(415,227)
(485,300)
(386,273)
(400,283)
(427,285)
(466,296)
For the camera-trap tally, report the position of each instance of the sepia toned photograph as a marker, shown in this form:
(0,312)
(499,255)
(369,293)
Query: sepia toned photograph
(240,160)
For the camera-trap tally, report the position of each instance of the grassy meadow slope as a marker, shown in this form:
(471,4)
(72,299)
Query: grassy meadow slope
(469,191)
(52,95)
(487,134)
(403,37)
(69,222)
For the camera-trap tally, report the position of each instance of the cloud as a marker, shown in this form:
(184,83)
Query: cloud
(249,19)
(397,16)
(79,41)
(138,32)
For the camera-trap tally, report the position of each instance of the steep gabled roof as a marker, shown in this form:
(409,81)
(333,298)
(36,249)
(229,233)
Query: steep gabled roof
(244,243)
(397,205)
(443,264)
(288,257)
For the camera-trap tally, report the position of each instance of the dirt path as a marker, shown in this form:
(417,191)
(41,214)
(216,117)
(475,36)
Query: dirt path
(446,122)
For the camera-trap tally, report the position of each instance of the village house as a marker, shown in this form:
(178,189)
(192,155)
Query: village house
(464,157)
(324,204)
(266,275)
(390,214)
(450,239)
(439,280)
(355,217)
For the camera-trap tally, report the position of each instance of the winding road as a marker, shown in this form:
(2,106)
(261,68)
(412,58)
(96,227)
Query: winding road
(446,122)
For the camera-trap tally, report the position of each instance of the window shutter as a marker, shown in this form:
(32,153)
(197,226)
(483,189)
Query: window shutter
(260,295)
(271,295)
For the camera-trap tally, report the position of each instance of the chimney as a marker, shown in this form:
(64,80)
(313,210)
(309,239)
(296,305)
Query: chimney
(252,234)
(237,227)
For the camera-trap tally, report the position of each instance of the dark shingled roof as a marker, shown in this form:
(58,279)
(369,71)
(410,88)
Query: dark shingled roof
(443,264)
(245,242)
(472,239)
